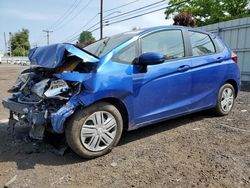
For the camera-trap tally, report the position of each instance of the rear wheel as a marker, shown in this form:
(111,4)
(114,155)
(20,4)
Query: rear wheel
(225,100)
(95,130)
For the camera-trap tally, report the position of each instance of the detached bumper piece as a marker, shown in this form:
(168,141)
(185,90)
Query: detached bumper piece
(35,119)
(39,119)
(15,107)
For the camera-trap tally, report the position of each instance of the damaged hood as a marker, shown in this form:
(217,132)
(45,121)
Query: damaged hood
(52,56)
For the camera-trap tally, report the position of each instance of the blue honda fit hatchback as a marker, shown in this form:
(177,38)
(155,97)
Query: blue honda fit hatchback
(123,82)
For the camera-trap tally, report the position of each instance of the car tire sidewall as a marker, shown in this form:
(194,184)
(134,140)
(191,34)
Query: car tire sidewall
(74,126)
(218,108)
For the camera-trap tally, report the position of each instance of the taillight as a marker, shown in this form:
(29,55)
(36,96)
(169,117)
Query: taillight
(234,57)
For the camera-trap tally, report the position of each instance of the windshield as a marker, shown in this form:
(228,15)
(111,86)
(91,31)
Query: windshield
(101,47)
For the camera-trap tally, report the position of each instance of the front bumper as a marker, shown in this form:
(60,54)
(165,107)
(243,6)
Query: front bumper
(41,118)
(37,118)
(15,106)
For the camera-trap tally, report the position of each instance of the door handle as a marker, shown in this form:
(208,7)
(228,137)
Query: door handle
(183,68)
(219,59)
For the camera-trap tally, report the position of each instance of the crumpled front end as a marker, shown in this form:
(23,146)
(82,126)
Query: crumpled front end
(44,96)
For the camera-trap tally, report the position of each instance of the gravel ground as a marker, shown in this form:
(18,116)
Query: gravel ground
(198,150)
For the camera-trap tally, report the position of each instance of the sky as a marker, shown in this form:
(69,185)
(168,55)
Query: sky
(67,19)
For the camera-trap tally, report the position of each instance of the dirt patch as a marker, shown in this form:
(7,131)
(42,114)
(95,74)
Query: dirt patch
(197,150)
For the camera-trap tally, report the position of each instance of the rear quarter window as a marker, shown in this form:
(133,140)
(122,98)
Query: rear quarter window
(219,46)
(201,44)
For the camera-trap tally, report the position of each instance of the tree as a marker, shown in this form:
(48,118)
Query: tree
(20,43)
(85,39)
(210,11)
(184,19)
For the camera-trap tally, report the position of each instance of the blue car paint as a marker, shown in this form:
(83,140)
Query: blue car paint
(74,76)
(161,93)
(52,56)
(152,58)
(58,118)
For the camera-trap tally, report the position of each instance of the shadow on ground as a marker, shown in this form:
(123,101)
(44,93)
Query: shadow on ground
(27,153)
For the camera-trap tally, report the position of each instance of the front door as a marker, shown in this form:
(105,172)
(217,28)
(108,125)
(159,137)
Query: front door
(165,89)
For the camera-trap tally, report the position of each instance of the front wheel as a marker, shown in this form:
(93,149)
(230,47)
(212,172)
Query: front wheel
(225,100)
(95,130)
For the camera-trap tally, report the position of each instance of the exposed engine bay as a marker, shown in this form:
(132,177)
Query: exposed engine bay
(41,99)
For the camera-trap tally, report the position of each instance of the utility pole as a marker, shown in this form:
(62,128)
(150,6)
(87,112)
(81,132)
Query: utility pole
(10,50)
(47,31)
(101,19)
(5,42)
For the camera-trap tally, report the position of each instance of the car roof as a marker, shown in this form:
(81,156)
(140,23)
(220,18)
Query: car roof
(158,28)
(142,31)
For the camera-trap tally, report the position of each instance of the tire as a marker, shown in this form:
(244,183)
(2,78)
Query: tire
(84,128)
(221,109)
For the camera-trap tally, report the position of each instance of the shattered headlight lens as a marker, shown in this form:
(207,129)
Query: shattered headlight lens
(39,87)
(21,82)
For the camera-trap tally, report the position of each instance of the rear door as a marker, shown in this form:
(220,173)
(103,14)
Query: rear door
(206,68)
(164,90)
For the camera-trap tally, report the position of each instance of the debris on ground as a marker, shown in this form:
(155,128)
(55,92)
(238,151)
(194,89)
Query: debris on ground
(6,185)
(113,164)
(244,110)
(196,129)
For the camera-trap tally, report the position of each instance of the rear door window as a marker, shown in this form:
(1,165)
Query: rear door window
(201,44)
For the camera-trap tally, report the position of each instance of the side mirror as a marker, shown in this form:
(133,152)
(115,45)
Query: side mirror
(151,58)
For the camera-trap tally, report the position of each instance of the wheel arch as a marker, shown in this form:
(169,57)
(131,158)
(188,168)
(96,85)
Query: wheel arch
(234,84)
(120,106)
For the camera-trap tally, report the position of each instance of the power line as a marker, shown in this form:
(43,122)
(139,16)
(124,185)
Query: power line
(102,18)
(132,11)
(66,13)
(135,12)
(76,37)
(124,5)
(89,29)
(137,9)
(82,28)
(75,15)
(73,35)
(132,17)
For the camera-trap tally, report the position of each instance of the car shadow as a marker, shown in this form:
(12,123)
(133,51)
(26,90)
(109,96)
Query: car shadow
(130,136)
(26,154)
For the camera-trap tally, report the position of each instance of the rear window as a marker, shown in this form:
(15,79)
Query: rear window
(201,44)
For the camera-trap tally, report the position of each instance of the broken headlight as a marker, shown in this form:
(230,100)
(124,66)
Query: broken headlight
(21,82)
(56,88)
(39,87)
